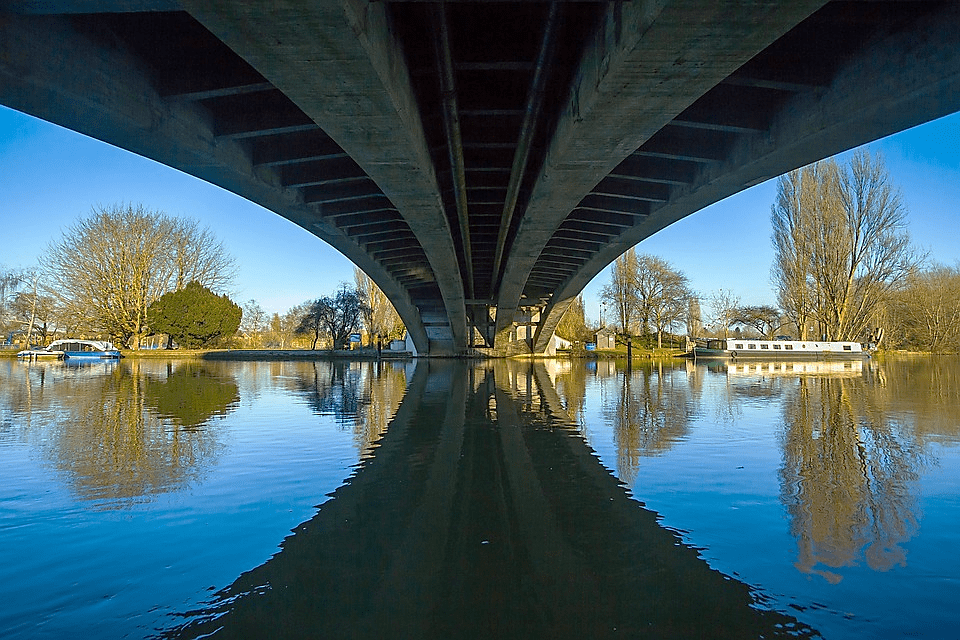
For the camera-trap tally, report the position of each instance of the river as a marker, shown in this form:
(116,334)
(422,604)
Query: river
(510,499)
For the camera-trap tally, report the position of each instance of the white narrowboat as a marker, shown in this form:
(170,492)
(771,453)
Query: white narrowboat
(738,348)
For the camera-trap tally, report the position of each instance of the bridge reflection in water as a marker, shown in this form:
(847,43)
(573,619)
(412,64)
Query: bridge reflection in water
(483,513)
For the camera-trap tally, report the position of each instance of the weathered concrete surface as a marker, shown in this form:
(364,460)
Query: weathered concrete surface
(50,70)
(648,62)
(890,86)
(339,62)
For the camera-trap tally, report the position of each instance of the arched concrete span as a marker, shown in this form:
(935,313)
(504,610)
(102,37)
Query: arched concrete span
(473,157)
(898,78)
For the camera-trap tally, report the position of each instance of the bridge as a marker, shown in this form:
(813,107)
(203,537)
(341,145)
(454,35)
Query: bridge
(482,161)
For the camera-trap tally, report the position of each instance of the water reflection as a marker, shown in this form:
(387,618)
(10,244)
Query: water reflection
(848,476)
(188,393)
(483,513)
(362,396)
(855,439)
(925,391)
(481,505)
(651,411)
(121,432)
(850,465)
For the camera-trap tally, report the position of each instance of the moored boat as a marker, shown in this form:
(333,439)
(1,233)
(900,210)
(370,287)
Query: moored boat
(737,348)
(70,348)
(35,353)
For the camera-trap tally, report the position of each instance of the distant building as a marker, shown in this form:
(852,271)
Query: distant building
(606,339)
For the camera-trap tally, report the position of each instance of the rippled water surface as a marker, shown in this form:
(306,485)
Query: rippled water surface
(152,498)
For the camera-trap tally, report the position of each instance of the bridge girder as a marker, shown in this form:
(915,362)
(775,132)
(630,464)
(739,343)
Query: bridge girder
(903,76)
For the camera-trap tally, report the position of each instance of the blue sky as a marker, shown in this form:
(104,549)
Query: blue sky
(50,177)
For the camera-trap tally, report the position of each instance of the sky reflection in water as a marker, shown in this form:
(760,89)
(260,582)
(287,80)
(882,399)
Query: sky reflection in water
(150,495)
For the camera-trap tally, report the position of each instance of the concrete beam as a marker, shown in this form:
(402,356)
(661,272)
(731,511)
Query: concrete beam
(50,70)
(341,64)
(897,83)
(648,62)
(66,7)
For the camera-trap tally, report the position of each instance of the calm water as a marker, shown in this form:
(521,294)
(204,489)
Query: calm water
(440,499)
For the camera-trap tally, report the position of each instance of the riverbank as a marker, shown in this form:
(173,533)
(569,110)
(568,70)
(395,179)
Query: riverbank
(266,354)
(360,354)
(249,354)
(371,354)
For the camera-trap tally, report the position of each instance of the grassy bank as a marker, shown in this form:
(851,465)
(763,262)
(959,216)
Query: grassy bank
(620,353)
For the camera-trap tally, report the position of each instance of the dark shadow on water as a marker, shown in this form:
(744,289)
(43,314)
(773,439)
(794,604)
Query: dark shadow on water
(482,513)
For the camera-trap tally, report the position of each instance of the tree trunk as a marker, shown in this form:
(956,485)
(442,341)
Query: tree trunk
(33,312)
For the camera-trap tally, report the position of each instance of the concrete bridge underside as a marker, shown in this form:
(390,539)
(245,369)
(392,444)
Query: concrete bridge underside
(480,159)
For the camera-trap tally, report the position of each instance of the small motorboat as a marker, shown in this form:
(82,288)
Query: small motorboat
(35,353)
(71,348)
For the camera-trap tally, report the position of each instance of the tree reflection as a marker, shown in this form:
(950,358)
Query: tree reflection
(123,432)
(928,387)
(191,393)
(113,442)
(362,396)
(652,410)
(570,381)
(387,384)
(329,388)
(846,477)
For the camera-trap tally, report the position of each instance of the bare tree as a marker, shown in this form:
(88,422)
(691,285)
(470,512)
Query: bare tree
(198,256)
(253,323)
(312,321)
(797,204)
(724,306)
(620,293)
(877,245)
(379,316)
(338,316)
(109,267)
(662,293)
(648,291)
(928,309)
(694,317)
(764,318)
(34,313)
(11,283)
(573,324)
(283,327)
(840,242)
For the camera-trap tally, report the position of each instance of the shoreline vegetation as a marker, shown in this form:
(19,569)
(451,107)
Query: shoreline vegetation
(368,354)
